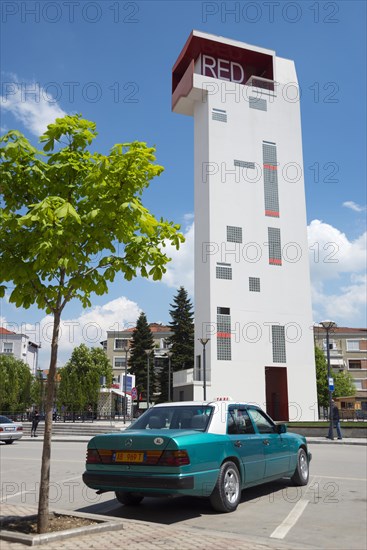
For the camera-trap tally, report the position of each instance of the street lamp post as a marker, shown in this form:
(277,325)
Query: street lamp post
(169,355)
(148,353)
(204,342)
(328,325)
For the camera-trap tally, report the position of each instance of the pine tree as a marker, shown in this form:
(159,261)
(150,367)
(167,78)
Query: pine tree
(142,339)
(182,326)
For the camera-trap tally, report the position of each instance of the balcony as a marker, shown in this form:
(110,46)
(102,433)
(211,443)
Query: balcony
(190,376)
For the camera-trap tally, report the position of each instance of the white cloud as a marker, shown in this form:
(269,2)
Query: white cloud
(354,206)
(332,253)
(31,104)
(89,328)
(180,271)
(338,275)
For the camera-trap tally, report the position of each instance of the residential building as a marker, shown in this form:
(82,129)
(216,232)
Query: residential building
(348,352)
(117,347)
(21,347)
(252,281)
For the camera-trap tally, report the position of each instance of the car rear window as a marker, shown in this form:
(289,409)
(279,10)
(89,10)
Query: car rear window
(5,420)
(190,417)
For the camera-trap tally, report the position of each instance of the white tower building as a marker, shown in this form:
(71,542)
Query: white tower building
(252,285)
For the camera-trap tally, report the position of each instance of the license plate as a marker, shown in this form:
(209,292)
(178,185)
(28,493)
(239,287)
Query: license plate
(126,456)
(9,429)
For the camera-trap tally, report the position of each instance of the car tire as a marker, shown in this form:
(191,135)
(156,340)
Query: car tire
(9,441)
(129,499)
(302,471)
(227,491)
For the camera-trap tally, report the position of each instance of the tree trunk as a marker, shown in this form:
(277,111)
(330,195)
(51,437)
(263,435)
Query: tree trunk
(43,508)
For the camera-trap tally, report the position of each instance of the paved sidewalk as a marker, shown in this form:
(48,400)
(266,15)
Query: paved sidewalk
(148,536)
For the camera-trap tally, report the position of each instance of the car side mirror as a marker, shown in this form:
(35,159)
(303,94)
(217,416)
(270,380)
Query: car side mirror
(281,428)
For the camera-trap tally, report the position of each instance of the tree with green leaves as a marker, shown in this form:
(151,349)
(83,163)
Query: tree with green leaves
(343,384)
(142,340)
(321,378)
(15,385)
(80,379)
(71,220)
(182,326)
(343,381)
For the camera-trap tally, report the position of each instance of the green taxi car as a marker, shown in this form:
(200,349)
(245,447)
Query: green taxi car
(211,449)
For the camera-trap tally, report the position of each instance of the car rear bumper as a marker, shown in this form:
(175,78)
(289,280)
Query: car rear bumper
(99,480)
(10,436)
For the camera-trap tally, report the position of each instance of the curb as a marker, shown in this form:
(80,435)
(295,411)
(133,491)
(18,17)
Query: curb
(104,524)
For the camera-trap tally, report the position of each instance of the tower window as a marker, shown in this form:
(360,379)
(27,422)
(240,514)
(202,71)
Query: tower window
(275,249)
(219,115)
(234,234)
(254,284)
(224,352)
(258,103)
(224,271)
(244,164)
(278,340)
(270,180)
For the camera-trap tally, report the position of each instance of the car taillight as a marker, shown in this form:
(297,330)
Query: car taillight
(19,428)
(93,456)
(1,429)
(174,458)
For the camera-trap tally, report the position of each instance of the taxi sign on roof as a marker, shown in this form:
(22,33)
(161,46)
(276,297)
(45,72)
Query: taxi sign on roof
(224,398)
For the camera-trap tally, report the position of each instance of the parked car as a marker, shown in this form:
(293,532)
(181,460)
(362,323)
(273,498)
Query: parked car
(212,449)
(10,431)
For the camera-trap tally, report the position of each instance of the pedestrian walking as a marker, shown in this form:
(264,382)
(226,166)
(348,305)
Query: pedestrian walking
(35,421)
(336,420)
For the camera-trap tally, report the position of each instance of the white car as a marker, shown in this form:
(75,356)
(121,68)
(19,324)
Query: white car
(9,430)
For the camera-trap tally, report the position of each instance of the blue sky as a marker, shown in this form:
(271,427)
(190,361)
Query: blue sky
(112,62)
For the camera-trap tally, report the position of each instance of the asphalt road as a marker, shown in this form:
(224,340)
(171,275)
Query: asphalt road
(330,513)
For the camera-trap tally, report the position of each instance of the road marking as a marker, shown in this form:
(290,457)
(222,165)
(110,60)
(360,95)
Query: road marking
(347,478)
(281,531)
(4,499)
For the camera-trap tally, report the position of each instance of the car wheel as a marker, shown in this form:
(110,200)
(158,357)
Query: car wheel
(130,499)
(301,474)
(9,441)
(227,491)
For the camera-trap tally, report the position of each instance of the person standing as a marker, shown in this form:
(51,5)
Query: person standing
(336,419)
(35,421)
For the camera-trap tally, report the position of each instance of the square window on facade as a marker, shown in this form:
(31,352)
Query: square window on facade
(234,234)
(254,284)
(119,362)
(352,345)
(224,271)
(354,364)
(121,343)
(8,347)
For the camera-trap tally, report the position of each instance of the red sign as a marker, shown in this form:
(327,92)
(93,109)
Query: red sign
(134,393)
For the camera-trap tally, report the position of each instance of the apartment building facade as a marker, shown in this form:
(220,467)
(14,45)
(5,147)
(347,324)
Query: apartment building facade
(21,347)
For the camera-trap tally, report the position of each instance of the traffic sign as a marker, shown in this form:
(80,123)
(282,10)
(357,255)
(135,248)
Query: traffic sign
(134,393)
(331,383)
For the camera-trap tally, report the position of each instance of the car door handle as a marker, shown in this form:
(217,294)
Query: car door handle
(266,442)
(237,444)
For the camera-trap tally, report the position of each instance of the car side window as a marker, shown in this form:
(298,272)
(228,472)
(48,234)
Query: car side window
(239,422)
(262,422)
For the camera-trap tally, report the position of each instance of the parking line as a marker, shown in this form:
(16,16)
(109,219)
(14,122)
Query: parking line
(281,531)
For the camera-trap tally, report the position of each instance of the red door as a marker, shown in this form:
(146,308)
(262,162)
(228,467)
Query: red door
(277,393)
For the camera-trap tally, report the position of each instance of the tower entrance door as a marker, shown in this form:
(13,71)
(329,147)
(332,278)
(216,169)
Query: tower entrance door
(276,386)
